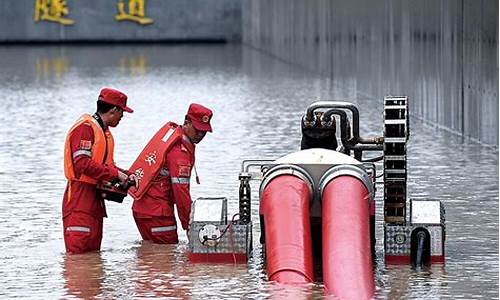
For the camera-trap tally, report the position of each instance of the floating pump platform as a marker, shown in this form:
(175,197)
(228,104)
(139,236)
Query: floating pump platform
(317,206)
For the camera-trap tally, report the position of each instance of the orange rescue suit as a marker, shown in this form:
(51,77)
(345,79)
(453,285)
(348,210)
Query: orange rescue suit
(101,151)
(169,183)
(88,159)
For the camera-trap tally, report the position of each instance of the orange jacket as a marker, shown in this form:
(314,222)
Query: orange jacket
(171,184)
(101,151)
(149,163)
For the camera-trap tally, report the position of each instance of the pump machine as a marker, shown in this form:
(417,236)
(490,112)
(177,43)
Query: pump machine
(317,205)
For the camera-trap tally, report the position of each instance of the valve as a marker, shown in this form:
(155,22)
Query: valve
(209,235)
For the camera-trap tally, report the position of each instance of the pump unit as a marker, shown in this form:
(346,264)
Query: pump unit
(215,236)
(317,205)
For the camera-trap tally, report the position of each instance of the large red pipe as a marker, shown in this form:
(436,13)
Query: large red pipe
(347,261)
(285,206)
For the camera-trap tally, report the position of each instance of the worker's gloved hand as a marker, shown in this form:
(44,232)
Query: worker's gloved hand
(122,177)
(133,180)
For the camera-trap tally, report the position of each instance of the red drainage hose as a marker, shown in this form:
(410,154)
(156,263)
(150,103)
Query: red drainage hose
(285,206)
(347,261)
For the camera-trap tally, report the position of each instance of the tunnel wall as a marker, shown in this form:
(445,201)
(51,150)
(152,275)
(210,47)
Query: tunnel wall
(442,54)
(94,20)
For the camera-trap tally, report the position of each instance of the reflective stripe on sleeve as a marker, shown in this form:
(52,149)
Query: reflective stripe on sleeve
(78,228)
(82,152)
(164,228)
(164,172)
(167,135)
(180,180)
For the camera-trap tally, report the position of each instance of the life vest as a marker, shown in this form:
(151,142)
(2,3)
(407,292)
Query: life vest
(149,163)
(101,141)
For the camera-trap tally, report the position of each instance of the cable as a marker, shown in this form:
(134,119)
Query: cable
(206,238)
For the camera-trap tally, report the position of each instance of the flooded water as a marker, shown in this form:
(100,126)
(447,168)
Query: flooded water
(258,102)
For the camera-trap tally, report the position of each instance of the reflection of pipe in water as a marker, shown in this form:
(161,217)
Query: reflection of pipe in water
(295,292)
(402,282)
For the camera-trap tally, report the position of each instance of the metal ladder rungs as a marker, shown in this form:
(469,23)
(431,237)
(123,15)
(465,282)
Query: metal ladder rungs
(395,140)
(394,157)
(396,107)
(395,122)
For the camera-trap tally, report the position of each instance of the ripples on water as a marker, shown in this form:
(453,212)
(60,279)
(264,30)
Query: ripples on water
(258,102)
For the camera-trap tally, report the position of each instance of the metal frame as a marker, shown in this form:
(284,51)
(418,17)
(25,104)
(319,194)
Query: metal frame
(287,169)
(350,170)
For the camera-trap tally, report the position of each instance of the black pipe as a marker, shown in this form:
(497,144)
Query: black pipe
(344,133)
(374,159)
(420,247)
(245,199)
(318,135)
(310,117)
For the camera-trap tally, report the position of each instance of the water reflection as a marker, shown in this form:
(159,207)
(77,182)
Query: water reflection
(133,65)
(158,273)
(426,283)
(47,67)
(83,275)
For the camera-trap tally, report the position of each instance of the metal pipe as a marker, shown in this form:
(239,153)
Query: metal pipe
(419,257)
(347,170)
(247,163)
(344,135)
(287,169)
(374,159)
(339,105)
(309,117)
(367,147)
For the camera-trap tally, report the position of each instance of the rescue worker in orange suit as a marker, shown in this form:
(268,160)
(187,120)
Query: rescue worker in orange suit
(163,170)
(88,159)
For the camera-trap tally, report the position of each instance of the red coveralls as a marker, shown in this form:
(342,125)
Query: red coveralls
(82,209)
(154,212)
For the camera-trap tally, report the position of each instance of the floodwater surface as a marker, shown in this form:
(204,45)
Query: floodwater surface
(257,102)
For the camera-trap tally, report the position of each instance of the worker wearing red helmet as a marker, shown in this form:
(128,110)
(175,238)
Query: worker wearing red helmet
(88,160)
(163,170)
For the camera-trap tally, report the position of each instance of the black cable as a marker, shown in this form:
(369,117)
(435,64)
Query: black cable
(206,238)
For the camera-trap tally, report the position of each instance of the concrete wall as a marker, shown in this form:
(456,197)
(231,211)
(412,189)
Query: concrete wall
(173,20)
(443,54)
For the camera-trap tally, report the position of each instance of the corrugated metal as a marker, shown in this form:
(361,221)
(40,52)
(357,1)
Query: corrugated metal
(442,54)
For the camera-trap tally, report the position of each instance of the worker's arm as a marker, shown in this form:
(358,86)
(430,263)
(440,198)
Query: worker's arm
(81,141)
(179,166)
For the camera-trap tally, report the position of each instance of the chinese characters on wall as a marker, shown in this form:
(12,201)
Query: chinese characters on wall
(52,10)
(56,10)
(135,12)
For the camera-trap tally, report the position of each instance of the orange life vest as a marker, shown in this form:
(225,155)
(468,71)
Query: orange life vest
(149,163)
(101,140)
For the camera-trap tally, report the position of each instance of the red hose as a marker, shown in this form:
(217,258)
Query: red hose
(347,261)
(285,206)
